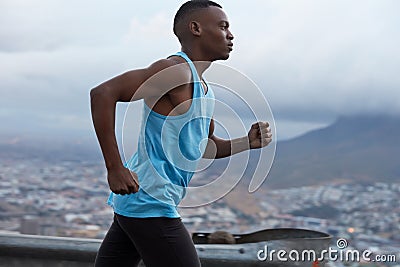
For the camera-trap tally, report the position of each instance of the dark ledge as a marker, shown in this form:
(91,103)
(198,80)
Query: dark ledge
(35,251)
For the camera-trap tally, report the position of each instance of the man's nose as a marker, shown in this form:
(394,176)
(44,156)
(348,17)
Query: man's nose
(230,35)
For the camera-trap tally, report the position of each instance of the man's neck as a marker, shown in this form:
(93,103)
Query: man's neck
(199,61)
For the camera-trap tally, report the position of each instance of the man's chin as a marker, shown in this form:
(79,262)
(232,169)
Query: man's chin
(224,57)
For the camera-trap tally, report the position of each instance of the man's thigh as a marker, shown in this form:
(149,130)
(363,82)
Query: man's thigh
(117,249)
(161,241)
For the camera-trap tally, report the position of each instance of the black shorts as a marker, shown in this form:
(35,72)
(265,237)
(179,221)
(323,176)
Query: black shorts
(157,241)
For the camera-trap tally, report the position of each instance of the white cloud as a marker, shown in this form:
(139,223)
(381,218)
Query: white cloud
(323,55)
(308,56)
(152,29)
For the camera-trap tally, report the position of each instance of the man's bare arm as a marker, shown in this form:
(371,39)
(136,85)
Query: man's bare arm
(258,136)
(149,83)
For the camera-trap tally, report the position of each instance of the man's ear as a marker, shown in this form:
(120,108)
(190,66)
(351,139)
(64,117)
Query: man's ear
(195,28)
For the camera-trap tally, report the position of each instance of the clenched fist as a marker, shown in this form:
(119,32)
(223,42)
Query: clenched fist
(122,181)
(259,135)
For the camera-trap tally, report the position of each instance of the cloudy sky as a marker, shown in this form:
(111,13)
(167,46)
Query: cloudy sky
(313,60)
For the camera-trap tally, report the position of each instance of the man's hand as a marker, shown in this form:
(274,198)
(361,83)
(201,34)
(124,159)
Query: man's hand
(122,181)
(259,135)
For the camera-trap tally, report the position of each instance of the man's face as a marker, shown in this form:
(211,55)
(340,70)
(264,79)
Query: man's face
(216,38)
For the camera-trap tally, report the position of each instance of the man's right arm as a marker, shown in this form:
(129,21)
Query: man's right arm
(130,86)
(103,101)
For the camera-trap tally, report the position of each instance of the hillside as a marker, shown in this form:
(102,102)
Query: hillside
(49,149)
(353,149)
(357,149)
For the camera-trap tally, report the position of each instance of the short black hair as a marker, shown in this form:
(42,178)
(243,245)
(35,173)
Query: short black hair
(189,7)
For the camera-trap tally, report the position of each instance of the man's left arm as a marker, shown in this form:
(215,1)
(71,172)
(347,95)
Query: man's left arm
(258,136)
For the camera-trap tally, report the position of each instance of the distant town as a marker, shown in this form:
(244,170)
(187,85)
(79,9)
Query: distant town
(69,199)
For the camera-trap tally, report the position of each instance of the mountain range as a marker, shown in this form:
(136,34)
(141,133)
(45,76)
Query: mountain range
(360,149)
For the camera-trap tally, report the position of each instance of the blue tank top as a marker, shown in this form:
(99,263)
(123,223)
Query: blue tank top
(169,149)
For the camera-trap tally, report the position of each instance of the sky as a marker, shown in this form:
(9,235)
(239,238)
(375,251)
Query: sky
(312,60)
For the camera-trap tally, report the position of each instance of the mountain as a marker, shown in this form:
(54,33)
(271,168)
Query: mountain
(361,149)
(50,149)
(353,149)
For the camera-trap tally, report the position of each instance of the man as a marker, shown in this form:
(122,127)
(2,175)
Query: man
(177,116)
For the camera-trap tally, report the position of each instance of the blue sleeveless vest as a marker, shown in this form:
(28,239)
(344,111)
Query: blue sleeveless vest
(169,149)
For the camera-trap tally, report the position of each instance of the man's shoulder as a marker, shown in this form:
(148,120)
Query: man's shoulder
(174,62)
(172,67)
